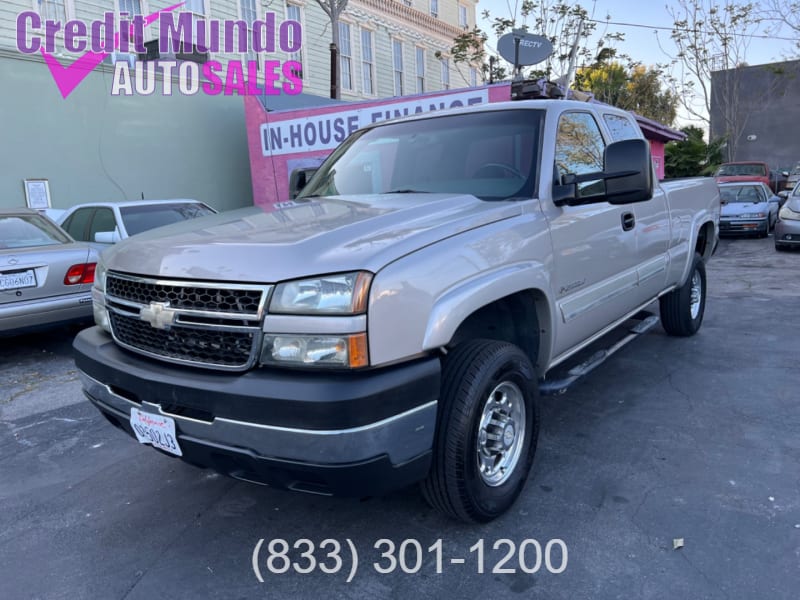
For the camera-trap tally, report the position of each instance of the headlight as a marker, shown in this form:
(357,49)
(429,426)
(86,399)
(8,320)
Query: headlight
(98,298)
(753,216)
(343,294)
(787,214)
(325,350)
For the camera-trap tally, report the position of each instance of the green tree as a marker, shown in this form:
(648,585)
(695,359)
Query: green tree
(636,87)
(693,156)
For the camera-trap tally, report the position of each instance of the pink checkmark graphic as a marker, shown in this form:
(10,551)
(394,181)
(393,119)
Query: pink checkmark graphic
(68,77)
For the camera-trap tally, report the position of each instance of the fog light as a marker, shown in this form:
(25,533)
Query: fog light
(99,310)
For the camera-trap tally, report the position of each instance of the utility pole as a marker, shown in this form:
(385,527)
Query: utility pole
(573,60)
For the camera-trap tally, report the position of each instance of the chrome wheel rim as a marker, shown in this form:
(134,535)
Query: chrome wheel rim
(501,433)
(697,294)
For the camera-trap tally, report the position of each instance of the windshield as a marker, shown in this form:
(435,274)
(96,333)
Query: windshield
(747,169)
(149,216)
(28,231)
(489,155)
(742,193)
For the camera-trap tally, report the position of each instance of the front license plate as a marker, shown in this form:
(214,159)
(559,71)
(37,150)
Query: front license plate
(19,280)
(156,430)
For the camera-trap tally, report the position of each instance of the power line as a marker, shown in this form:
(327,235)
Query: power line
(642,26)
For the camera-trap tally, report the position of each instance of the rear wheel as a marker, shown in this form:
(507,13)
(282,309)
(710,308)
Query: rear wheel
(682,309)
(487,431)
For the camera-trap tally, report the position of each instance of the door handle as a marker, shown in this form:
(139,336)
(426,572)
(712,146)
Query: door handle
(628,221)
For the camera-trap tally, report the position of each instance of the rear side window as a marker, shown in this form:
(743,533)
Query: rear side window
(621,128)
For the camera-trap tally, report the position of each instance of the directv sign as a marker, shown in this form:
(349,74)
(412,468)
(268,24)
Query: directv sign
(533,49)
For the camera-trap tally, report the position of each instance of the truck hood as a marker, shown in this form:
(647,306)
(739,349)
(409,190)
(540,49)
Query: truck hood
(304,237)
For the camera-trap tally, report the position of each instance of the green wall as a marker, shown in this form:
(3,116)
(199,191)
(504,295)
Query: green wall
(97,147)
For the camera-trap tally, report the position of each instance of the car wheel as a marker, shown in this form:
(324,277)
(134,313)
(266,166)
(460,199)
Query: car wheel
(682,309)
(781,247)
(487,431)
(764,233)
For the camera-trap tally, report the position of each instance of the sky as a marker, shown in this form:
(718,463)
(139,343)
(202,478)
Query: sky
(642,43)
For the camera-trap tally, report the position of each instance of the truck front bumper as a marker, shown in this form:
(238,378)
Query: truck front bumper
(351,434)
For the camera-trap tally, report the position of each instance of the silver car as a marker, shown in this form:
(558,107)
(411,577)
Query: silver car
(104,223)
(45,276)
(748,207)
(787,229)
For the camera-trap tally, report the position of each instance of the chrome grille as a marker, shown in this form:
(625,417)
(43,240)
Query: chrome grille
(186,296)
(203,324)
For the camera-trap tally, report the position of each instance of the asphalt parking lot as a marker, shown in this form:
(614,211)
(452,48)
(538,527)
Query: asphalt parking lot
(695,439)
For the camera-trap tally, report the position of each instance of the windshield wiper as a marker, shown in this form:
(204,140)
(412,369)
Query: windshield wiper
(408,191)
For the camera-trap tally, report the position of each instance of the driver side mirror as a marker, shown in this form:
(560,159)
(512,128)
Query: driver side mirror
(107,237)
(299,179)
(627,175)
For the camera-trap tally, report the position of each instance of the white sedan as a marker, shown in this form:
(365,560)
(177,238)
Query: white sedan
(747,207)
(108,222)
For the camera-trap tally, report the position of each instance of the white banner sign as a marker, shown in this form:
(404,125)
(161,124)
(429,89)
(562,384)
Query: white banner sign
(325,132)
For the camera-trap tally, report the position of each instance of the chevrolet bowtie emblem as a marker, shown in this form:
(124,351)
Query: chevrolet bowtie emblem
(158,314)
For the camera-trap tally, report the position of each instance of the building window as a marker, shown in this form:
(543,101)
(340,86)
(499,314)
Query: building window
(462,16)
(293,14)
(345,56)
(131,7)
(53,10)
(420,70)
(408,2)
(445,74)
(247,12)
(397,51)
(197,7)
(473,76)
(367,62)
(434,8)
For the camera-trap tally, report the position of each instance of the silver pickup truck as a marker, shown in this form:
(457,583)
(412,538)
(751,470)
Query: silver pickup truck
(397,322)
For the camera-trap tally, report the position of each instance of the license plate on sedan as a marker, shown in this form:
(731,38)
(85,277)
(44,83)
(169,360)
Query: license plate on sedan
(156,430)
(18,280)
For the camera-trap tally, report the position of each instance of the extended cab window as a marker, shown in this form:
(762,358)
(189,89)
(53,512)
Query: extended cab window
(621,128)
(579,150)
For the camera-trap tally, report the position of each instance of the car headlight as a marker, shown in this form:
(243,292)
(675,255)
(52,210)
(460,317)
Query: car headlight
(324,350)
(787,214)
(98,298)
(753,216)
(342,294)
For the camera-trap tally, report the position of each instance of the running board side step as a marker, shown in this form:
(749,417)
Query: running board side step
(557,387)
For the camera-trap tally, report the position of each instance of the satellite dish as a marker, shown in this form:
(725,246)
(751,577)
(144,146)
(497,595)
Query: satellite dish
(533,49)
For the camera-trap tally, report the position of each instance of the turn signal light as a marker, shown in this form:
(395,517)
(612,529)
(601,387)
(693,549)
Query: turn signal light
(83,273)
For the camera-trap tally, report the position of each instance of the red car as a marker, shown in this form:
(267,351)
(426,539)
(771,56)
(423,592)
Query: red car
(745,171)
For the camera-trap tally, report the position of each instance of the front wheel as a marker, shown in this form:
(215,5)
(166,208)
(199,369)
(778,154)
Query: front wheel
(487,431)
(682,309)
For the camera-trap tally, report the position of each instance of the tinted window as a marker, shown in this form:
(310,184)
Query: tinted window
(579,149)
(621,128)
(744,169)
(27,231)
(77,224)
(103,221)
(489,155)
(149,216)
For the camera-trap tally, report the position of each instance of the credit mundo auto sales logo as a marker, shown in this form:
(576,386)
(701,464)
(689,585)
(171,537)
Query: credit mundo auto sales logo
(177,33)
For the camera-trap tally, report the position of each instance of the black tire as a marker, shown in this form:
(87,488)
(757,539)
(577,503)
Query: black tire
(455,484)
(781,247)
(676,307)
(765,233)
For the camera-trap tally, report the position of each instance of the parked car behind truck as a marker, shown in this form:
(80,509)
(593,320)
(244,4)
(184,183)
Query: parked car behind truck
(396,323)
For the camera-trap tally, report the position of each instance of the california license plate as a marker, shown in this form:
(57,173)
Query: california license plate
(18,280)
(156,430)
